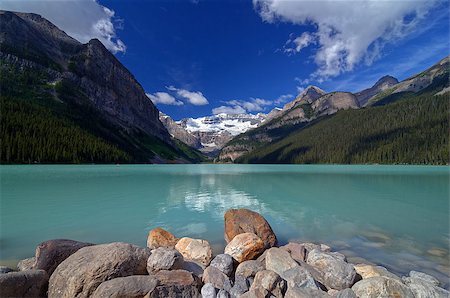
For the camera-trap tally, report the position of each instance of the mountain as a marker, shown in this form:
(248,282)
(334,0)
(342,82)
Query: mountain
(279,138)
(381,85)
(179,132)
(73,93)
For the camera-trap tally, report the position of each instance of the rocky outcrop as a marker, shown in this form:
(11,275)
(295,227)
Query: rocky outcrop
(27,283)
(244,247)
(381,85)
(51,253)
(335,101)
(159,237)
(307,96)
(239,221)
(81,273)
(179,132)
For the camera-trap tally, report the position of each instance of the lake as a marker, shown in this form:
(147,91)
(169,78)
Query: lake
(395,216)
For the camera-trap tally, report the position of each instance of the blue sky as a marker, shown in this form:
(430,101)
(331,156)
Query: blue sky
(201,57)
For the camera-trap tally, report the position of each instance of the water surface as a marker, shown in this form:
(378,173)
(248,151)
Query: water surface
(395,216)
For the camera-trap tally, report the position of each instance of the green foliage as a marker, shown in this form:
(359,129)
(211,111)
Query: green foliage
(409,131)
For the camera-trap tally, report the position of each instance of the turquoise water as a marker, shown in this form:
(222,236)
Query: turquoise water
(396,216)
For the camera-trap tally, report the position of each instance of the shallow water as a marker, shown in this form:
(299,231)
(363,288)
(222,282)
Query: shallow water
(395,216)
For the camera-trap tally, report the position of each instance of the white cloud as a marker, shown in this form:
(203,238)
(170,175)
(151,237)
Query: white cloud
(228,110)
(196,98)
(283,98)
(163,98)
(348,32)
(81,19)
(295,45)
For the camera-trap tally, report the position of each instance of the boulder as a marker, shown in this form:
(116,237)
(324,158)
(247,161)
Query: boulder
(297,251)
(346,293)
(194,267)
(269,281)
(255,293)
(333,271)
(164,258)
(223,294)
(240,286)
(381,287)
(176,283)
(245,246)
(249,268)
(134,286)
(279,261)
(26,264)
(296,292)
(423,285)
(300,277)
(196,250)
(26,283)
(208,291)
(81,273)
(224,263)
(51,253)
(238,221)
(4,269)
(217,278)
(160,238)
(367,271)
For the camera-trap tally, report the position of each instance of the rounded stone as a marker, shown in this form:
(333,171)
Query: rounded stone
(243,247)
(224,263)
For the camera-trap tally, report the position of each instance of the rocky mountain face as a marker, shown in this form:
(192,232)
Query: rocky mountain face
(178,132)
(87,76)
(332,102)
(381,85)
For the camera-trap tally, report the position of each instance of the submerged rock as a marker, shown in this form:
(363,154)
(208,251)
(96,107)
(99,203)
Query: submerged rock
(26,283)
(381,287)
(164,259)
(197,250)
(135,286)
(81,273)
(51,253)
(238,221)
(243,247)
(334,272)
(160,238)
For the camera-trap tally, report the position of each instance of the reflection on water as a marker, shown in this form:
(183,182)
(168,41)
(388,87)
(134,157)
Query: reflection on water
(394,216)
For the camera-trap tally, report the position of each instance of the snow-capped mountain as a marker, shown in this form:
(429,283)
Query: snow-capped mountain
(213,132)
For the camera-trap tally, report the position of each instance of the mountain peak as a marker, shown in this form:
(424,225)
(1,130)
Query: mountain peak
(386,79)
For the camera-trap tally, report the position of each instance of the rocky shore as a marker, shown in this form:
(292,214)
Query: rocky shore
(252,265)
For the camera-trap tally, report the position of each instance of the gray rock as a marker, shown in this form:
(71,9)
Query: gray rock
(208,291)
(297,251)
(164,258)
(424,286)
(255,293)
(240,286)
(26,264)
(81,273)
(26,283)
(296,292)
(381,287)
(176,283)
(334,272)
(135,286)
(223,294)
(224,263)
(300,277)
(249,268)
(4,269)
(279,260)
(269,281)
(194,267)
(51,253)
(346,293)
(217,278)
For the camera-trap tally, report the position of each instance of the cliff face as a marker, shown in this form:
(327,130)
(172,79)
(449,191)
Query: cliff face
(382,84)
(179,132)
(30,40)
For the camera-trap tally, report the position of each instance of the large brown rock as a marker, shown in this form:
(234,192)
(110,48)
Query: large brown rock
(196,250)
(51,253)
(81,273)
(135,286)
(27,283)
(160,238)
(176,283)
(238,221)
(244,247)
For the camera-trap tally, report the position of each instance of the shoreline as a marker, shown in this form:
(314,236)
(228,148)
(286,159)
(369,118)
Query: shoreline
(253,258)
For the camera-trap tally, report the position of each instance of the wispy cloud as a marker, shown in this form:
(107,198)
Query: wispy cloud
(251,105)
(228,110)
(81,19)
(195,98)
(163,98)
